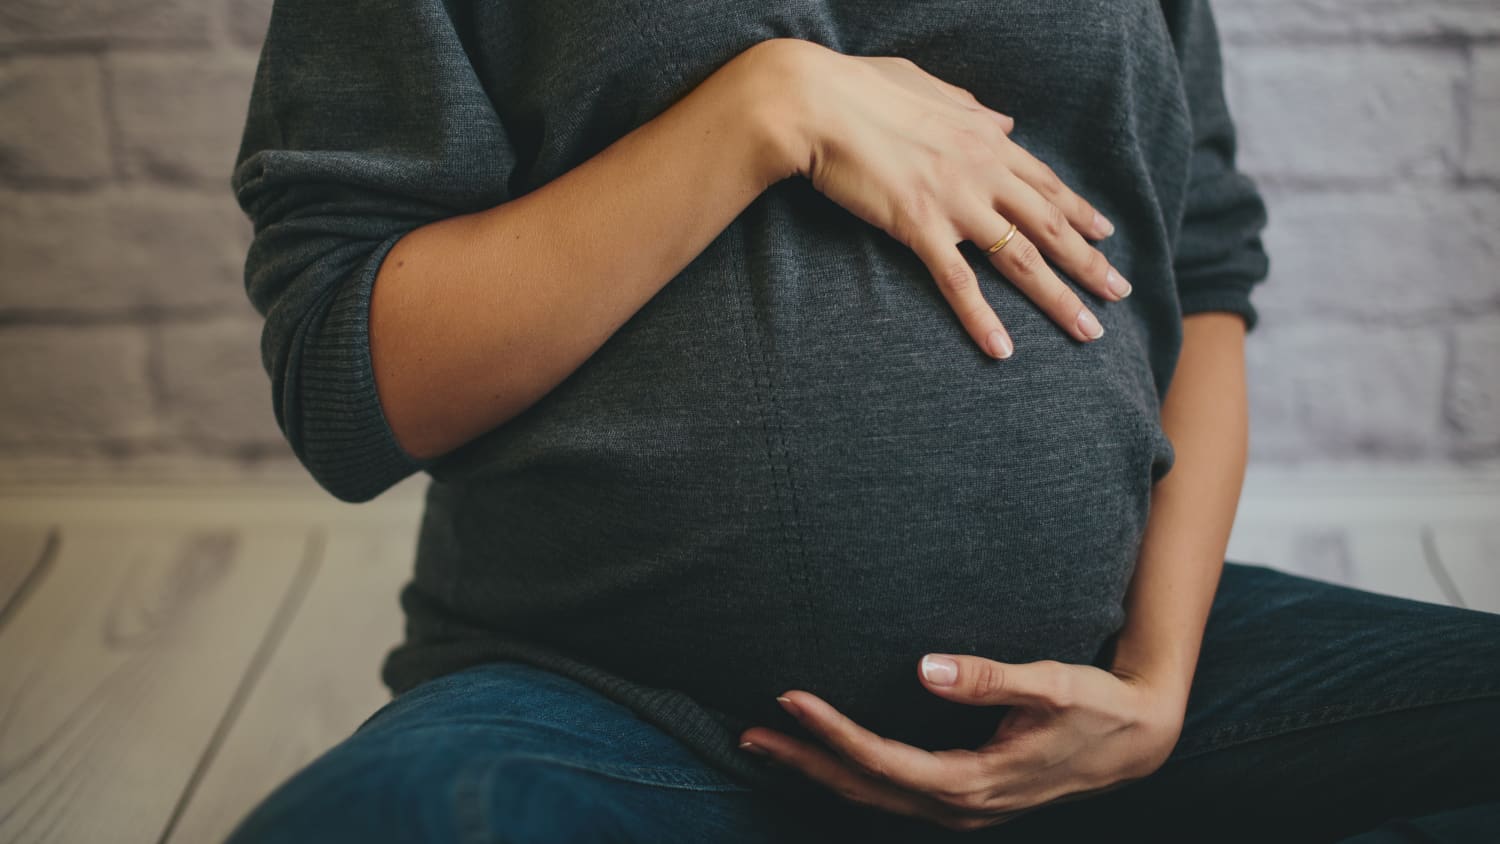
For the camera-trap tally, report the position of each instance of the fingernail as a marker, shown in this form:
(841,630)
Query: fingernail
(939,670)
(1103,226)
(1120,286)
(752,747)
(1089,325)
(786,703)
(1000,346)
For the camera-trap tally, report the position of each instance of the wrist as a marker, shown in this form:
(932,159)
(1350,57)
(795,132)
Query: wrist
(774,105)
(1167,684)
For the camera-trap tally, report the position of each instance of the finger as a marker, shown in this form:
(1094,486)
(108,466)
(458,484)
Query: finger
(985,682)
(1020,262)
(956,279)
(1084,217)
(966,97)
(1052,230)
(833,772)
(886,759)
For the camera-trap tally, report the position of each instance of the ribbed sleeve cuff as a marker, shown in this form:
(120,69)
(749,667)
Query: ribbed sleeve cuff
(1220,298)
(347,442)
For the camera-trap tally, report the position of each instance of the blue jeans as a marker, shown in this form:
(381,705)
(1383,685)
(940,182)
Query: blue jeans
(1318,713)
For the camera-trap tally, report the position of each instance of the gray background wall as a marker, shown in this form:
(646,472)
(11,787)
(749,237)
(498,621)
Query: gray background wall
(128,349)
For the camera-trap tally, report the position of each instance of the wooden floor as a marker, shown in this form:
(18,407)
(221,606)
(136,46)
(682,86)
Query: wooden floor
(168,655)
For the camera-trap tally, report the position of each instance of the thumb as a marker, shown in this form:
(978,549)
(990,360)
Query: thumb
(985,682)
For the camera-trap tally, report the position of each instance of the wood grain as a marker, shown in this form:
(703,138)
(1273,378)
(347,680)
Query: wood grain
(322,682)
(22,548)
(1386,558)
(1470,554)
(117,671)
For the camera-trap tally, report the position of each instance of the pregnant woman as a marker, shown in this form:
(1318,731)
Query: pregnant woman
(757,351)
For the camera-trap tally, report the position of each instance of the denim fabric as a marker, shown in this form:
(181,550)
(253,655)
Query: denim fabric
(1318,712)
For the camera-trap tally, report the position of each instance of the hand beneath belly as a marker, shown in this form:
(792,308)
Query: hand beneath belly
(1071,731)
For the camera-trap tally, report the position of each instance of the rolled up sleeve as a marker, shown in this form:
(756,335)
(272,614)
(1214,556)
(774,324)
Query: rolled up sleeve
(1219,257)
(366,120)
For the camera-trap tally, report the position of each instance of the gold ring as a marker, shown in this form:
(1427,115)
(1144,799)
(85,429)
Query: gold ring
(1000,244)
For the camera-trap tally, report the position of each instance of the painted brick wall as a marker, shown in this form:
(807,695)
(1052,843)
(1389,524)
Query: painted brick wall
(127,346)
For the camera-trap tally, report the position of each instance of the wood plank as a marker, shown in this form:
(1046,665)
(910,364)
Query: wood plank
(321,684)
(1390,559)
(118,670)
(1296,548)
(1333,493)
(1470,555)
(1386,558)
(22,551)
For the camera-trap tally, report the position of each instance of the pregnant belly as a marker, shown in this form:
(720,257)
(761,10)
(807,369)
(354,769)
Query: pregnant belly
(811,507)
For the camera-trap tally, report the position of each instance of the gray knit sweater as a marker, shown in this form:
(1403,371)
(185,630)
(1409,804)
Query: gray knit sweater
(791,469)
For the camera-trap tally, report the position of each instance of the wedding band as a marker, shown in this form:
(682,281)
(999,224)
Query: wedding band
(1000,244)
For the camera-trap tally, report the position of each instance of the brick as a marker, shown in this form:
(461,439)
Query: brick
(122,249)
(1370,113)
(1282,19)
(1473,397)
(1337,391)
(54,129)
(65,384)
(1398,254)
(33,22)
(213,387)
(1482,147)
(249,20)
(180,115)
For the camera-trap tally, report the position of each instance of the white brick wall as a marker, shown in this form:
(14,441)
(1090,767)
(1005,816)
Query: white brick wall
(127,344)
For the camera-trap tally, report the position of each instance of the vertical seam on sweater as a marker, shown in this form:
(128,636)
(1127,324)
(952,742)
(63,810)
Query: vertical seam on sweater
(795,570)
(777,454)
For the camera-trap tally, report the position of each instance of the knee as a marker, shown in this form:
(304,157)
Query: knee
(405,787)
(450,793)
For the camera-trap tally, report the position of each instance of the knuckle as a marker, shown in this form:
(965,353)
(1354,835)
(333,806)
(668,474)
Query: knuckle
(1054,222)
(972,143)
(913,211)
(992,132)
(989,677)
(916,207)
(1024,257)
(956,278)
(968,801)
(949,169)
(1060,685)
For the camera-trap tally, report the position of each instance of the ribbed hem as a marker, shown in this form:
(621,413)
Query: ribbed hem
(346,439)
(711,734)
(1222,298)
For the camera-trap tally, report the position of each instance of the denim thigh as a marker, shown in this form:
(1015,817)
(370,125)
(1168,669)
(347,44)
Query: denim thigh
(1317,711)
(509,752)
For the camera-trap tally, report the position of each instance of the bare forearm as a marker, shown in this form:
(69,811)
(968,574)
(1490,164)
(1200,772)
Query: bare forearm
(1205,414)
(474,318)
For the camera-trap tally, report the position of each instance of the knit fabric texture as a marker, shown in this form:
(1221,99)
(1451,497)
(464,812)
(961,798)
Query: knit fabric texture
(792,468)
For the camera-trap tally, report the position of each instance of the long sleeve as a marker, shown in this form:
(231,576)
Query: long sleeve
(366,120)
(1219,255)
